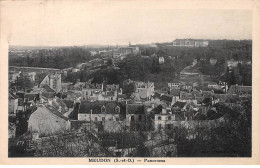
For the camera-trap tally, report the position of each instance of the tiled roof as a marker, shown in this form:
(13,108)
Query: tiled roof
(47,88)
(60,102)
(110,107)
(179,104)
(12,96)
(167,98)
(196,93)
(54,111)
(69,103)
(31,96)
(48,95)
(175,92)
(135,108)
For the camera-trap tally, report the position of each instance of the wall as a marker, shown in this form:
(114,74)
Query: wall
(44,122)
(108,117)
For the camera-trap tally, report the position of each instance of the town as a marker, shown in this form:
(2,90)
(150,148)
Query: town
(188,97)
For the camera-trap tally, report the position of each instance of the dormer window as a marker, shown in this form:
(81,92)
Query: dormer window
(103,109)
(117,109)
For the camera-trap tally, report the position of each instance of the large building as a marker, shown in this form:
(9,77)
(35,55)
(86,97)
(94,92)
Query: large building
(54,81)
(190,43)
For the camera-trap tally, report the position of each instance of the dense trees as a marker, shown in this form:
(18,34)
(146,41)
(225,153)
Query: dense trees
(241,75)
(137,67)
(234,139)
(52,58)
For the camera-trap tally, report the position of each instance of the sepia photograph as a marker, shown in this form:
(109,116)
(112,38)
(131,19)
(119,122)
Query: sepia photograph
(117,81)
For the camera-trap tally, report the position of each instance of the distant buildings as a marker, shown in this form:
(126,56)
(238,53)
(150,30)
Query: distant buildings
(54,81)
(240,90)
(190,43)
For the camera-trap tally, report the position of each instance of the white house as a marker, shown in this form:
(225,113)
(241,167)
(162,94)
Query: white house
(47,120)
(161,60)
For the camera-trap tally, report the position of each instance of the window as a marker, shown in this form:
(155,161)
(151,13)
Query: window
(117,109)
(132,118)
(103,118)
(159,118)
(170,118)
(96,119)
(103,109)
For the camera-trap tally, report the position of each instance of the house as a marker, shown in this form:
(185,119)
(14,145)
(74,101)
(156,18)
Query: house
(90,89)
(161,60)
(174,85)
(240,90)
(232,63)
(75,70)
(74,95)
(190,43)
(53,81)
(65,86)
(47,120)
(59,105)
(184,110)
(101,111)
(163,118)
(32,76)
(112,87)
(104,96)
(31,97)
(213,85)
(46,93)
(167,99)
(144,90)
(135,113)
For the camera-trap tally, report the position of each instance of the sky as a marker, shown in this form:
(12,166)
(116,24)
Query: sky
(63,24)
